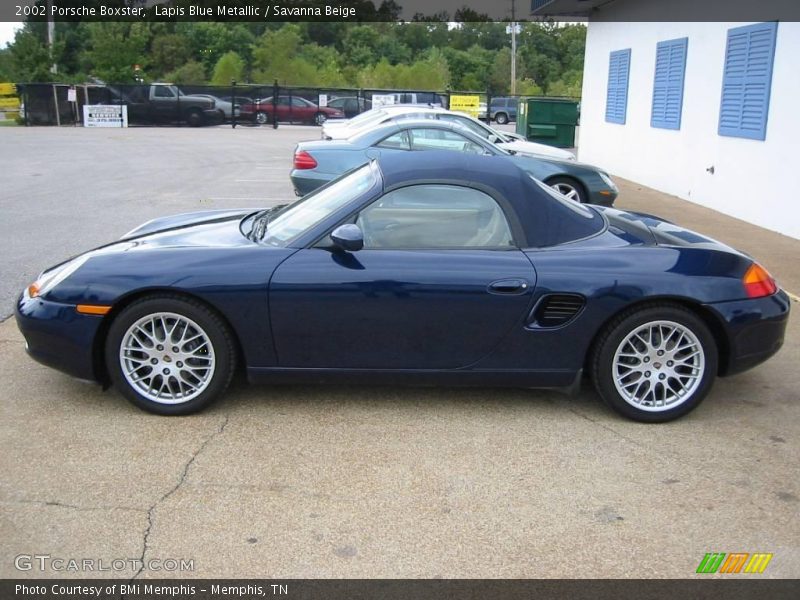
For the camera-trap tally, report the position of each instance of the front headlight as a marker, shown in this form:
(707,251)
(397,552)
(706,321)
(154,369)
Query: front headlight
(50,279)
(607,180)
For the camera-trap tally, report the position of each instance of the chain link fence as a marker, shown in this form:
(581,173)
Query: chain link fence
(161,104)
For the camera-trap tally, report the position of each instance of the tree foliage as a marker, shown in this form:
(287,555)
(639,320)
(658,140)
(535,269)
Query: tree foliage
(467,53)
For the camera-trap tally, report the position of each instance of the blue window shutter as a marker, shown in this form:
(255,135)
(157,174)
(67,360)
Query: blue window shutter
(668,83)
(619,65)
(747,80)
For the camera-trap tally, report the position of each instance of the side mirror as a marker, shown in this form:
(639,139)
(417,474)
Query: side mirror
(348,237)
(494,138)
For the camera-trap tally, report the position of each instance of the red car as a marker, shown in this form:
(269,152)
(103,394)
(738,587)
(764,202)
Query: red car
(289,108)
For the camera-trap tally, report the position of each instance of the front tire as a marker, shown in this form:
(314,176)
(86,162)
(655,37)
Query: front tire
(655,364)
(262,118)
(169,355)
(195,119)
(501,118)
(320,118)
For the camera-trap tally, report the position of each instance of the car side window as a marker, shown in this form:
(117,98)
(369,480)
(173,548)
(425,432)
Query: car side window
(396,141)
(283,101)
(442,139)
(298,102)
(163,92)
(435,216)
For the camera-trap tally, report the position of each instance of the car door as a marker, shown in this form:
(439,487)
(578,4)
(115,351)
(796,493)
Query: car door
(165,103)
(439,283)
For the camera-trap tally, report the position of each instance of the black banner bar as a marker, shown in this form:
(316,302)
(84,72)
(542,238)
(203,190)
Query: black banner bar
(702,588)
(398,10)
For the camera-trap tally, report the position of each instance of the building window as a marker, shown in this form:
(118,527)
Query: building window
(619,66)
(746,81)
(668,84)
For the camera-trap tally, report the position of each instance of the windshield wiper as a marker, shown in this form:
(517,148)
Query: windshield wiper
(261,221)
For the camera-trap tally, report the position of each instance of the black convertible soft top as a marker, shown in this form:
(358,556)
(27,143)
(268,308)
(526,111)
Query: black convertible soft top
(545,219)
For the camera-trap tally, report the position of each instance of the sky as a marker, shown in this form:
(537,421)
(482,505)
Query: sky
(7,32)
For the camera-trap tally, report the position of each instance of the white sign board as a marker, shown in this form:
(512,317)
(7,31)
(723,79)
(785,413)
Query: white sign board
(105,115)
(323,100)
(382,100)
(72,95)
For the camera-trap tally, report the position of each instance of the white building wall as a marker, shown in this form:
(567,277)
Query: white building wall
(756,181)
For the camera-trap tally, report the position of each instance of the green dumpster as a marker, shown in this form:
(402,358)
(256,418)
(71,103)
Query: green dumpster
(548,121)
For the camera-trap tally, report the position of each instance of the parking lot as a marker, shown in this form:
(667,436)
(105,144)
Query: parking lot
(304,481)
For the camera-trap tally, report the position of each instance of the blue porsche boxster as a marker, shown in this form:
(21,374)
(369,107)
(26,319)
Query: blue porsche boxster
(424,268)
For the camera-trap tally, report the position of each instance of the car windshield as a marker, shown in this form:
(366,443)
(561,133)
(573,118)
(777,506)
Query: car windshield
(310,210)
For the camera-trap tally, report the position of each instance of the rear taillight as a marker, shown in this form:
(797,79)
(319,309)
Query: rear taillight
(758,282)
(303,160)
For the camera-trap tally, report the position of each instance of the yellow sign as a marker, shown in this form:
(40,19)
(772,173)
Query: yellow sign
(467,104)
(12,102)
(8,89)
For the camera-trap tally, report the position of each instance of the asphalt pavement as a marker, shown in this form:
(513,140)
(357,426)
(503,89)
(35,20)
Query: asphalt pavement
(305,481)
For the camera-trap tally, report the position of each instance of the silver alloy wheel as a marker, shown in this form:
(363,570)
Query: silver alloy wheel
(567,190)
(262,118)
(320,118)
(658,366)
(167,358)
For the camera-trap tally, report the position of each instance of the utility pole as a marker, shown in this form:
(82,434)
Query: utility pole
(513,47)
(51,36)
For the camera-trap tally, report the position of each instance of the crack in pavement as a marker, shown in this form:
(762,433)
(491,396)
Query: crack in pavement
(72,506)
(150,511)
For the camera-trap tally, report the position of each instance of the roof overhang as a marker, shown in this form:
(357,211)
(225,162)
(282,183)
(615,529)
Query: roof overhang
(566,8)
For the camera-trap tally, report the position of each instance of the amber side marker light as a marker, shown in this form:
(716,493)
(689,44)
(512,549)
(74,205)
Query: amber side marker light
(92,309)
(758,282)
(33,290)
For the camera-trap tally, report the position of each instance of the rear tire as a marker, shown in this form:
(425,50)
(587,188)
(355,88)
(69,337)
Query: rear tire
(655,363)
(501,118)
(169,355)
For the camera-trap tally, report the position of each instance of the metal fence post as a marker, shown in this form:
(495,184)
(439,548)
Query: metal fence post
(275,91)
(55,104)
(233,103)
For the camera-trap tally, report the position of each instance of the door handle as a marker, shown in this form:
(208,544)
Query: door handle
(508,286)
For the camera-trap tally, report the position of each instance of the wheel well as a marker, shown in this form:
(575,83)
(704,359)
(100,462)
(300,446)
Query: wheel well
(98,347)
(573,180)
(710,320)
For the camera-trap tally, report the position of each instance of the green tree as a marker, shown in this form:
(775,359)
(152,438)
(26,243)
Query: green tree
(114,49)
(192,73)
(168,52)
(230,66)
(30,58)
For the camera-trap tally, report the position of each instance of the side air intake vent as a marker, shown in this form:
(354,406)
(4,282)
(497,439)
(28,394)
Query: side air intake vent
(555,310)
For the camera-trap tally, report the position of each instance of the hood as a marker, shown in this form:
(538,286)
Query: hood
(536,149)
(338,133)
(186,220)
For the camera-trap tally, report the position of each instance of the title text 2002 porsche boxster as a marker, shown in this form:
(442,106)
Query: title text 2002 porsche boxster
(429,267)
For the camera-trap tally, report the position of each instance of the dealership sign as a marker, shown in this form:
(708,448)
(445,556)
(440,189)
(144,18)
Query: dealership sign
(105,115)
(382,100)
(470,104)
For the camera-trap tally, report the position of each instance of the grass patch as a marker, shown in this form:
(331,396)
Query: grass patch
(9,124)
